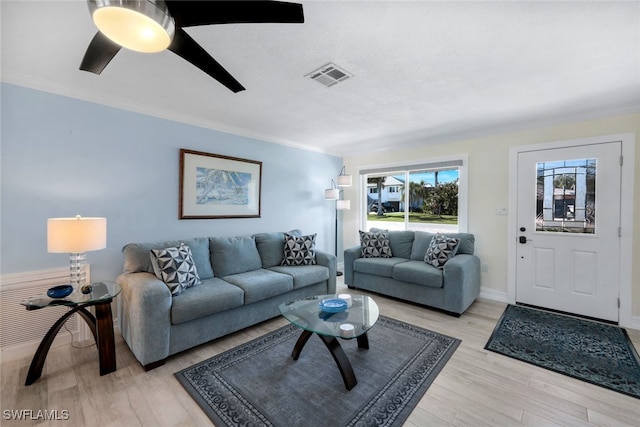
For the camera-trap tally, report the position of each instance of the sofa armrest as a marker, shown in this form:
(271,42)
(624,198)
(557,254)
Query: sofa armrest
(350,255)
(145,320)
(328,260)
(461,282)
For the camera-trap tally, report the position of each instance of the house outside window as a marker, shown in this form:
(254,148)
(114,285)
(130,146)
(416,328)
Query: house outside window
(416,197)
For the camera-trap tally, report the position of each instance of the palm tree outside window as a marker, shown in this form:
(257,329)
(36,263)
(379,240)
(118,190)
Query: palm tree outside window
(420,197)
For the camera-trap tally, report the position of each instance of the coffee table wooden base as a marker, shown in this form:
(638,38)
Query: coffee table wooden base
(341,359)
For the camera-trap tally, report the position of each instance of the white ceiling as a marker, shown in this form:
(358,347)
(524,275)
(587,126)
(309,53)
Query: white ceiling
(424,71)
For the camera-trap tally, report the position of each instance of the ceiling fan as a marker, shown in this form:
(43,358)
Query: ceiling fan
(156,25)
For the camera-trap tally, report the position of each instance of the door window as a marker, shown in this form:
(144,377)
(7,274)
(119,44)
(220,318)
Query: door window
(566,196)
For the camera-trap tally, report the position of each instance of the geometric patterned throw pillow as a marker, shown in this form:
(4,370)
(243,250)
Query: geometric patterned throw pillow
(299,250)
(175,267)
(440,250)
(375,244)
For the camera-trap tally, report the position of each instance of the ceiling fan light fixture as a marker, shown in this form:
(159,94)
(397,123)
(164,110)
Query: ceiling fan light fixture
(139,25)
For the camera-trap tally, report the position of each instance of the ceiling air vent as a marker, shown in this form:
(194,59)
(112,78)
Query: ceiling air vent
(329,75)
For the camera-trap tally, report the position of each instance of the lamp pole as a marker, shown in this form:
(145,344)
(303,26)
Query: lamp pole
(333,193)
(341,205)
(338,272)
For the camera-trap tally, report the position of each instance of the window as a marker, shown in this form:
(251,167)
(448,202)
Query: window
(425,196)
(566,196)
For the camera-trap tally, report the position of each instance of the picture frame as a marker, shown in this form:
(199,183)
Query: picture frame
(215,186)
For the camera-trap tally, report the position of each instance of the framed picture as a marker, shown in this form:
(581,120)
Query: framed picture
(214,186)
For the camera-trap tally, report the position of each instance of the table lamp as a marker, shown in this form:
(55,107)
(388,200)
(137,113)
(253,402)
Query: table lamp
(76,236)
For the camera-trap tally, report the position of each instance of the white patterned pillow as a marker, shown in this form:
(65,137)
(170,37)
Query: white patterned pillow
(440,250)
(299,250)
(175,267)
(375,244)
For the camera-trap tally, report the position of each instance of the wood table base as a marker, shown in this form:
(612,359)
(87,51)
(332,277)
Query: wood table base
(341,359)
(101,327)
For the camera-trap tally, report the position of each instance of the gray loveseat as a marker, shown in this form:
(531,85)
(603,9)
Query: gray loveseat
(242,283)
(405,275)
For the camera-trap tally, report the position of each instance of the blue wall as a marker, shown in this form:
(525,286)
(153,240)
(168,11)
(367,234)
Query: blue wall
(62,157)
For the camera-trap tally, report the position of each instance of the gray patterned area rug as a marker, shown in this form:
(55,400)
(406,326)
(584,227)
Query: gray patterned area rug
(258,383)
(591,351)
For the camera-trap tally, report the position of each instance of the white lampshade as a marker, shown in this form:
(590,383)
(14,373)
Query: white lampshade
(140,25)
(76,235)
(331,194)
(343,205)
(344,180)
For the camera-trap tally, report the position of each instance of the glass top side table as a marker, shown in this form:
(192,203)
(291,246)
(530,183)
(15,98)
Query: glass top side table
(101,325)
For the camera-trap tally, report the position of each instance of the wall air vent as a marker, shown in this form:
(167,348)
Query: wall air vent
(329,75)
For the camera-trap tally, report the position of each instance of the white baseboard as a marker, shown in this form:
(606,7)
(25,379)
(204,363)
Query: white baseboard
(28,349)
(493,295)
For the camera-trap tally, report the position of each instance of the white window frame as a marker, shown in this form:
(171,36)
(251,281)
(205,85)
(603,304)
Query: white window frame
(463,183)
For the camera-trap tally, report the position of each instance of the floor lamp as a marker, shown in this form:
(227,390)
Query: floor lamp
(333,193)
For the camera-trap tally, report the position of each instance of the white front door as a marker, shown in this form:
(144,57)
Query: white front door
(568,220)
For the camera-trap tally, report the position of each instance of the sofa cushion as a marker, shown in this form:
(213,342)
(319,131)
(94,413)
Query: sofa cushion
(304,275)
(440,250)
(400,242)
(377,266)
(233,255)
(261,284)
(271,247)
(299,250)
(175,267)
(418,272)
(137,260)
(375,244)
(212,296)
(421,241)
(467,242)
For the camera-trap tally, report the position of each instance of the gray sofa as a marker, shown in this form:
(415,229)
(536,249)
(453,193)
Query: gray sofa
(405,275)
(242,283)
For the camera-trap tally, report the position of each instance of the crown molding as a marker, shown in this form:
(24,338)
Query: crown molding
(353,148)
(428,137)
(140,108)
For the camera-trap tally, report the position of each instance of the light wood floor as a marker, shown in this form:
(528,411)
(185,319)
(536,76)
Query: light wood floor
(476,387)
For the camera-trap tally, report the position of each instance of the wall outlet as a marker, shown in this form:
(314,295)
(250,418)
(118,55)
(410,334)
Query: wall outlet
(484,267)
(501,210)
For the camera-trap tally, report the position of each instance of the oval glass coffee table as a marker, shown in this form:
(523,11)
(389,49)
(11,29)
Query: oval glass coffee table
(351,322)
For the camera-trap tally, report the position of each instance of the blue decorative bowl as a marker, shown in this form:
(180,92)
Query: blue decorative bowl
(334,305)
(60,291)
(333,317)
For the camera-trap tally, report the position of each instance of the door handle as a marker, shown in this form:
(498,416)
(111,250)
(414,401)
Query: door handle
(523,239)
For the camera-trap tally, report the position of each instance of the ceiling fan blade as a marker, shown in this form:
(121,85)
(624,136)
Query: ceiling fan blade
(183,45)
(192,13)
(100,52)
